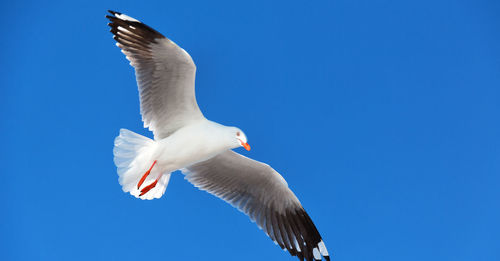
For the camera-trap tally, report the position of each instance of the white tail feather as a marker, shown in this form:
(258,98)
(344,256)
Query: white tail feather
(133,156)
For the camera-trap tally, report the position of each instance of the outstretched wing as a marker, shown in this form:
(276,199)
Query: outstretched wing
(260,192)
(165,75)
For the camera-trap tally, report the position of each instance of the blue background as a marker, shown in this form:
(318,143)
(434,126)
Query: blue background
(383,117)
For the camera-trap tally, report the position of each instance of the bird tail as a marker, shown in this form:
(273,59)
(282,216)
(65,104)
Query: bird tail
(133,157)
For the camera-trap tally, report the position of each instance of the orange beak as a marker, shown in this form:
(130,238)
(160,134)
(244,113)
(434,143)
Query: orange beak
(245,145)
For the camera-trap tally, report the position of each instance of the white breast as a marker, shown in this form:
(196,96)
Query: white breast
(190,144)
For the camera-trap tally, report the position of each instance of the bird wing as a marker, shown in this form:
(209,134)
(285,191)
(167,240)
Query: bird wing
(260,192)
(165,75)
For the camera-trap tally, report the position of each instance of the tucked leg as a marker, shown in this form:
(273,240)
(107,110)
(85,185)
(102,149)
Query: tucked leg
(147,188)
(145,176)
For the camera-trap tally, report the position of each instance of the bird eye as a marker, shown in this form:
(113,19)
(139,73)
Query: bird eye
(238,133)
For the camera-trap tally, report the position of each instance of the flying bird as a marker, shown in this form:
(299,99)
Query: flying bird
(202,149)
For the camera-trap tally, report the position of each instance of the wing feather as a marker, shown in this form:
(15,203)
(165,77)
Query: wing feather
(260,192)
(165,75)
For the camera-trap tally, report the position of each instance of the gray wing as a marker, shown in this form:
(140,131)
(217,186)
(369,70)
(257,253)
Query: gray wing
(165,75)
(260,192)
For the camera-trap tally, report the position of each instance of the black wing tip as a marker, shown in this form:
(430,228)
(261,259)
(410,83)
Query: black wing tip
(114,12)
(312,240)
(134,26)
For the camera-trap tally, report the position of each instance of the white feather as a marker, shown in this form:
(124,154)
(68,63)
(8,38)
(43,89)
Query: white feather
(126,17)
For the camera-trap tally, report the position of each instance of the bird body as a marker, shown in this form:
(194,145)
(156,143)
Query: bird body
(194,143)
(202,149)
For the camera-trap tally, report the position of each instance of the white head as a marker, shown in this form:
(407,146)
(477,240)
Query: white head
(238,138)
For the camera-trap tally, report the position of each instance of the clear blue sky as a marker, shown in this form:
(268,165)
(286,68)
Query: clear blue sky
(383,117)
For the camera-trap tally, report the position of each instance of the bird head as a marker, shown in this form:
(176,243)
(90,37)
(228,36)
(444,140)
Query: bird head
(241,138)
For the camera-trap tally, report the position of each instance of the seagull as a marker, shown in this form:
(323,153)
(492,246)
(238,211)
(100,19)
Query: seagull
(202,149)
